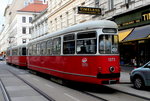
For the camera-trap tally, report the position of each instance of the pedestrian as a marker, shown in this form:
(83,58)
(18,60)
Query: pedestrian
(134,62)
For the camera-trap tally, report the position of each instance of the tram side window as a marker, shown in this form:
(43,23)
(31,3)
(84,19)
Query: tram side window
(20,52)
(30,50)
(49,47)
(15,52)
(69,44)
(12,52)
(43,48)
(24,51)
(86,43)
(57,46)
(38,49)
(8,52)
(34,50)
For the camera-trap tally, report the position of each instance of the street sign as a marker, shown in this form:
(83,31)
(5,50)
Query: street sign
(89,10)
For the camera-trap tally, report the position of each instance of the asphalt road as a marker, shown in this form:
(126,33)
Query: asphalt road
(20,91)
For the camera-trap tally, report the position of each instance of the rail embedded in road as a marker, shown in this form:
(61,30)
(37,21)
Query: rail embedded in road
(4,91)
(35,88)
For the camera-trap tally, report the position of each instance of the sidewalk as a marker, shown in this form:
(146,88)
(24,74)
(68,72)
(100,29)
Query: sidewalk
(126,68)
(126,86)
(125,77)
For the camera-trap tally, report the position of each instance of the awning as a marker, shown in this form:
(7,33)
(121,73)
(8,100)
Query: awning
(123,34)
(139,33)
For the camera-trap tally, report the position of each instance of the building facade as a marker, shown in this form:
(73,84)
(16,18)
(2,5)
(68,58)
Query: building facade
(39,25)
(132,17)
(64,13)
(137,35)
(9,14)
(19,16)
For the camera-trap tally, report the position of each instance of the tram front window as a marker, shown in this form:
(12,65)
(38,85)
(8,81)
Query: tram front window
(108,44)
(86,43)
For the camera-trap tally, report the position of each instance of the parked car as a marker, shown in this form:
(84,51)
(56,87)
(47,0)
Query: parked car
(140,77)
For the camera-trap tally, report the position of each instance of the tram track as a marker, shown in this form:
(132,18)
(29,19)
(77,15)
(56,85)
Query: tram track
(131,94)
(45,95)
(126,93)
(99,95)
(89,93)
(4,92)
(92,95)
(32,86)
(103,98)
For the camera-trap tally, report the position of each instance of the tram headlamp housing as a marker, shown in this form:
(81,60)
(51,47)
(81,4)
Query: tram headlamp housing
(111,69)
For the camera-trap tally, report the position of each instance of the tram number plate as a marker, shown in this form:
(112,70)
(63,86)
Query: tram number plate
(111,59)
(112,81)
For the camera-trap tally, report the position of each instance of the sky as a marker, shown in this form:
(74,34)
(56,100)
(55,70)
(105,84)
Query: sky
(3,4)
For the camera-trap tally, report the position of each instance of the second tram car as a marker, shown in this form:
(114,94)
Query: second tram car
(17,55)
(86,52)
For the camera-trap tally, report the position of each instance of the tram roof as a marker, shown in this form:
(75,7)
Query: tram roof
(80,27)
(13,47)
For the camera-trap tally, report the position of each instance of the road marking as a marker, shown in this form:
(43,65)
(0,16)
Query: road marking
(28,75)
(49,85)
(35,79)
(15,69)
(22,72)
(72,97)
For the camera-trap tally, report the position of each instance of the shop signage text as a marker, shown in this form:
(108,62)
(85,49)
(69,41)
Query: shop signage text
(144,17)
(89,10)
(133,18)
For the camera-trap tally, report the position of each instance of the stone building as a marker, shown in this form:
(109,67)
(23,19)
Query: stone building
(132,17)
(19,16)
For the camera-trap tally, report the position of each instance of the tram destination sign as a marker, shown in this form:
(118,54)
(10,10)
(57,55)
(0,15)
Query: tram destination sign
(89,10)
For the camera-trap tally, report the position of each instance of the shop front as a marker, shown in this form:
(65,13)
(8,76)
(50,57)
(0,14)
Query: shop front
(134,36)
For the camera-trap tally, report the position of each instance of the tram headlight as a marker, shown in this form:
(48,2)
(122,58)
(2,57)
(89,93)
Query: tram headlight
(111,69)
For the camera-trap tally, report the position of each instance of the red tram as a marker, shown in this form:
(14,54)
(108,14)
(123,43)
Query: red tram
(17,56)
(86,52)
